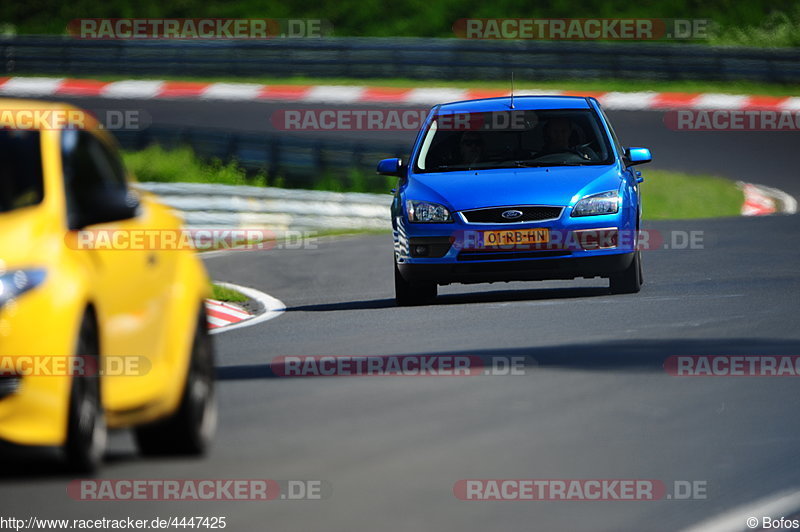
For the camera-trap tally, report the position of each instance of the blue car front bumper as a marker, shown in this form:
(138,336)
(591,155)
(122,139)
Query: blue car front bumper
(597,246)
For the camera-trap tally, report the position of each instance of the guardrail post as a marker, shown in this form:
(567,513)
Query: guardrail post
(274,157)
(8,57)
(233,147)
(319,158)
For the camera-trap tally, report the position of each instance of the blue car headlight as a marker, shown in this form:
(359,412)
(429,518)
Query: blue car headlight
(16,282)
(427,212)
(603,203)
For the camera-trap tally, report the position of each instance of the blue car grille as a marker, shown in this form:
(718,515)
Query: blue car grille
(494,215)
(507,255)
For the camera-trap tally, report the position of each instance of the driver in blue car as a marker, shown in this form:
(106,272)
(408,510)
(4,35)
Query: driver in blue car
(557,135)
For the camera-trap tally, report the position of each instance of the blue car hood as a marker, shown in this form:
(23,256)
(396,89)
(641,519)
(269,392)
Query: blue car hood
(518,186)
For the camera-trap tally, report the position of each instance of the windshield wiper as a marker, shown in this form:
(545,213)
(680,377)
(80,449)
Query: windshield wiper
(530,164)
(534,164)
(447,167)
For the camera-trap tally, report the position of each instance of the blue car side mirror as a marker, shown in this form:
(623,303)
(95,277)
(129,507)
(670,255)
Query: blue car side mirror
(637,156)
(392,166)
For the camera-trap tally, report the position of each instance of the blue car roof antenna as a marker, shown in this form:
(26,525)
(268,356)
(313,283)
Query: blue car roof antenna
(512,90)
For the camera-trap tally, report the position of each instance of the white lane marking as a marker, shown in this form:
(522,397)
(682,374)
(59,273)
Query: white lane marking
(31,86)
(535,92)
(273,307)
(628,100)
(231,91)
(434,96)
(132,89)
(790,104)
(735,520)
(334,94)
(719,101)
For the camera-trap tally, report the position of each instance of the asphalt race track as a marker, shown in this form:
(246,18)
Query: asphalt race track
(594,401)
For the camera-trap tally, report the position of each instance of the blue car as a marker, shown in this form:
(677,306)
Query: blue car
(513,189)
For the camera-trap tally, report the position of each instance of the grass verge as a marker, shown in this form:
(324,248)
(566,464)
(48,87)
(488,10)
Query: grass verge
(178,165)
(223,293)
(674,195)
(155,163)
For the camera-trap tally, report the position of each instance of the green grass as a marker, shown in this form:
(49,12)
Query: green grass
(222,293)
(169,166)
(598,85)
(778,29)
(157,164)
(674,195)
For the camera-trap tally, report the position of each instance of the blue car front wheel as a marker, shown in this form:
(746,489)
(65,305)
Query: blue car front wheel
(628,281)
(408,294)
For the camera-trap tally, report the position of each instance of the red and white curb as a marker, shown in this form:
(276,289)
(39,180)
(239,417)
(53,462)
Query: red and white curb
(224,316)
(343,94)
(762,201)
(220,313)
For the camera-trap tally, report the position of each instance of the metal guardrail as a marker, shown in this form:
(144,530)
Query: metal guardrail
(413,58)
(300,163)
(227,206)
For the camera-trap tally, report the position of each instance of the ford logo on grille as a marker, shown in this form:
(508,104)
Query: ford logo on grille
(511,215)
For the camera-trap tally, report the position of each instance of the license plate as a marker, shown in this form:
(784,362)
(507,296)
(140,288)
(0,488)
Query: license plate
(517,237)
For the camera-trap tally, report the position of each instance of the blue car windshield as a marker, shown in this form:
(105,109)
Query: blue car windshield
(513,139)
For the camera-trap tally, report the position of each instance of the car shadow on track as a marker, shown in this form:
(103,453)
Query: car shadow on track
(23,463)
(645,356)
(19,463)
(495,296)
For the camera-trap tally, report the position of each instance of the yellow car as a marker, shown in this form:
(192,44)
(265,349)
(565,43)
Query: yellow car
(137,308)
